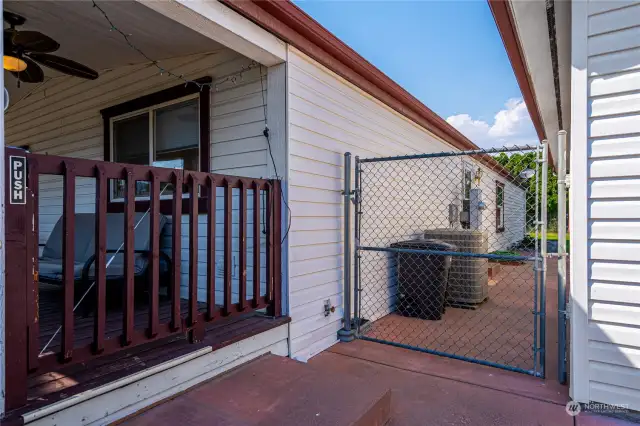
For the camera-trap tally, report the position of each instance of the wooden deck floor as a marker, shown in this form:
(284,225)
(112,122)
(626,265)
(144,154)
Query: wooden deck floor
(47,388)
(50,308)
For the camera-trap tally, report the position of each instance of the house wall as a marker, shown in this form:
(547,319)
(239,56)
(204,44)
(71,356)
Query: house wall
(62,117)
(328,117)
(605,190)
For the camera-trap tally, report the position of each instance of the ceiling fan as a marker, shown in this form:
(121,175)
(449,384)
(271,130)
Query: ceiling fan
(22,49)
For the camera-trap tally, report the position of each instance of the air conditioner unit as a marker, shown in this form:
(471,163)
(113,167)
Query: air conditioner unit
(469,276)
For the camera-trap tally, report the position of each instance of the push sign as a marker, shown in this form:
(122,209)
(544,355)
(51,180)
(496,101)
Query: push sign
(17,180)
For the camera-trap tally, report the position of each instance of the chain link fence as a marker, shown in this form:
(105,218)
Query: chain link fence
(448,250)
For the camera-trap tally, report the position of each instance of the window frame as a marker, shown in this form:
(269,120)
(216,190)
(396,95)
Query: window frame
(500,209)
(151,102)
(150,112)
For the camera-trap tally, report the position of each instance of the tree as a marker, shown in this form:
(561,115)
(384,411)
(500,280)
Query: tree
(516,163)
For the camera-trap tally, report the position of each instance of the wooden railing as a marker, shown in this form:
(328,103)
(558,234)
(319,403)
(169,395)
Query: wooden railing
(22,333)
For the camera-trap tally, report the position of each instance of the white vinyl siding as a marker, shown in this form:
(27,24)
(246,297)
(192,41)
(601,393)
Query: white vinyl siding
(62,117)
(613,204)
(328,117)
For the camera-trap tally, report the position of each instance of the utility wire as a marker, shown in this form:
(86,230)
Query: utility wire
(273,161)
(127,38)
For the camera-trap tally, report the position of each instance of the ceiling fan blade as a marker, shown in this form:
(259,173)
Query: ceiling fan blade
(64,65)
(32,74)
(34,41)
(13,19)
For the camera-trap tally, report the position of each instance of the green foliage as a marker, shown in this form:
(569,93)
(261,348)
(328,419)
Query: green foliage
(506,253)
(515,163)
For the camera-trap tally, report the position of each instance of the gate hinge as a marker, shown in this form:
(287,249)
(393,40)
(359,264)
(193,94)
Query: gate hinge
(567,311)
(555,254)
(352,196)
(567,180)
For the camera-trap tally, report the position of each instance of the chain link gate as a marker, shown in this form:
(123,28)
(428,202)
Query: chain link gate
(450,254)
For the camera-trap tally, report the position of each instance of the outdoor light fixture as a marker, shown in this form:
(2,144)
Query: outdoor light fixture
(527,174)
(11,63)
(478,176)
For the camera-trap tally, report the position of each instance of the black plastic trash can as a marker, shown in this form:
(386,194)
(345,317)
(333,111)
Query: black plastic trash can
(422,278)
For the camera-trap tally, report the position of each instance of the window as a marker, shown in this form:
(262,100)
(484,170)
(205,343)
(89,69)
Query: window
(164,136)
(499,207)
(169,128)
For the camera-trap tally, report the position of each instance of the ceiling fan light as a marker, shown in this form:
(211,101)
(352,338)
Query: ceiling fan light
(11,63)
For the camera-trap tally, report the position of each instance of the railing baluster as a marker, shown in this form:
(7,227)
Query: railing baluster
(269,225)
(211,248)
(193,250)
(68,254)
(129,258)
(242,237)
(276,305)
(256,244)
(228,219)
(176,240)
(100,265)
(154,266)
(33,292)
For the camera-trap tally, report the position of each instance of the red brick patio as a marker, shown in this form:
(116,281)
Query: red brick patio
(500,330)
(364,384)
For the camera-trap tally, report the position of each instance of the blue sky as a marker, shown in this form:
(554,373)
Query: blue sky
(448,54)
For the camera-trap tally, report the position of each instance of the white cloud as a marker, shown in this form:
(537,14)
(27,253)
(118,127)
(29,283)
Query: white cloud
(511,126)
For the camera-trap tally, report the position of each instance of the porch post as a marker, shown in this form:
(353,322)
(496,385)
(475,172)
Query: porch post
(14,285)
(3,389)
(274,80)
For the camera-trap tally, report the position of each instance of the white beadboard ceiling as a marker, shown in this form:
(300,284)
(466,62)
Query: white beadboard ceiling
(85,36)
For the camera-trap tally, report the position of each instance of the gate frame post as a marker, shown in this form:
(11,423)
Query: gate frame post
(543,255)
(356,255)
(346,334)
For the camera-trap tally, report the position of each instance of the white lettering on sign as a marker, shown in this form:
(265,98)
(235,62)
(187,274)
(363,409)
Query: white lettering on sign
(17,180)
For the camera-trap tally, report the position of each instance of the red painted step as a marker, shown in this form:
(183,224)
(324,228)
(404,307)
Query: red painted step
(274,390)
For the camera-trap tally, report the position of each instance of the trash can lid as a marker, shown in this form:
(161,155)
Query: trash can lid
(425,244)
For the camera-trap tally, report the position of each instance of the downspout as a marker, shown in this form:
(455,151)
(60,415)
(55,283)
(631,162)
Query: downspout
(563,314)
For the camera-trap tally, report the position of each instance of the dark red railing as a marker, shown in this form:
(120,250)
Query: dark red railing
(22,283)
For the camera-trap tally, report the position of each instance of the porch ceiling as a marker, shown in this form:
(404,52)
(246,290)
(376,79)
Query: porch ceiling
(85,36)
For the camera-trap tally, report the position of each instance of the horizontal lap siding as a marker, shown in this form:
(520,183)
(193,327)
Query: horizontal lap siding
(62,117)
(238,146)
(328,117)
(614,202)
